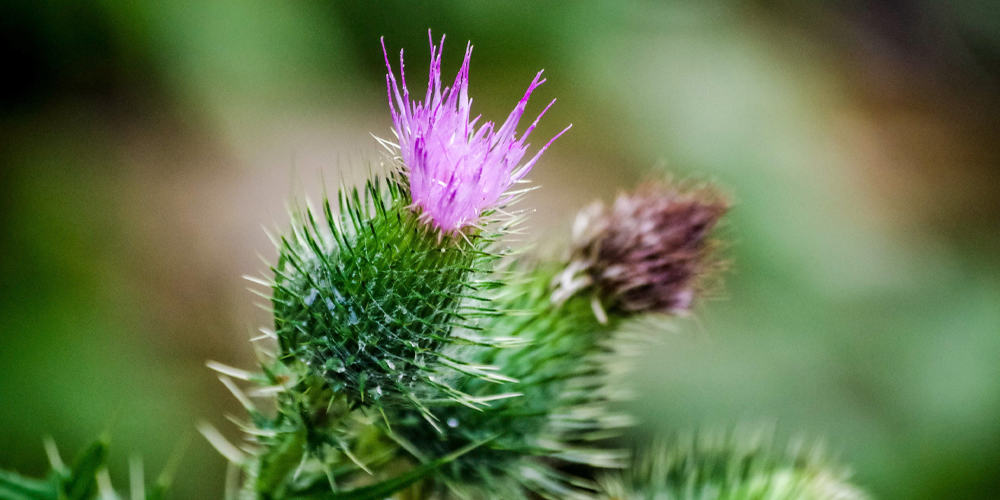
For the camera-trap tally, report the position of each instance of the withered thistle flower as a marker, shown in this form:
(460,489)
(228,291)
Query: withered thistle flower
(644,253)
(457,167)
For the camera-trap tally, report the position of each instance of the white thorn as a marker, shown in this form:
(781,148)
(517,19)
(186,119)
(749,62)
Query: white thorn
(258,281)
(53,453)
(221,444)
(232,481)
(266,391)
(242,398)
(595,305)
(229,370)
(104,488)
(137,481)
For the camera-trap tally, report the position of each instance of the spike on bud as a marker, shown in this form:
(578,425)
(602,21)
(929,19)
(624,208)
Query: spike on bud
(647,251)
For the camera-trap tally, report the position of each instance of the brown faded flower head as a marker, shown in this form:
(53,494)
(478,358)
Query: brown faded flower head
(647,251)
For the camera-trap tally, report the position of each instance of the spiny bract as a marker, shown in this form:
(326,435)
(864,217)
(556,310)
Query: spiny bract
(367,298)
(739,464)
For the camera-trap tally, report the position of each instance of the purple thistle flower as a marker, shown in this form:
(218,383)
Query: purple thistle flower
(457,169)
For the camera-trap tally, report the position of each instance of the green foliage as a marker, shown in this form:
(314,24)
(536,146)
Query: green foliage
(16,487)
(80,481)
(737,465)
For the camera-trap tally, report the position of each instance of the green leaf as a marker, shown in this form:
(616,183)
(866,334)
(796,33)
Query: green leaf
(13,486)
(82,481)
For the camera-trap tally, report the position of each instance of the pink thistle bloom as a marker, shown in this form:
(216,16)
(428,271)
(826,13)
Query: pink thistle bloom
(456,169)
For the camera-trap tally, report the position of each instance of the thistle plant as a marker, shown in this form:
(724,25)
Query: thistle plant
(414,354)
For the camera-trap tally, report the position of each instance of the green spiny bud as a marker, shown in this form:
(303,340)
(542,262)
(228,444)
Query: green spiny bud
(367,298)
(738,465)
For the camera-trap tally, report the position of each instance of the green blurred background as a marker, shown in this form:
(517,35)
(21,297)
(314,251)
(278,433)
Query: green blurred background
(145,144)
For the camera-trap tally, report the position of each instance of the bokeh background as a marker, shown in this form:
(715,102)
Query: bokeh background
(145,144)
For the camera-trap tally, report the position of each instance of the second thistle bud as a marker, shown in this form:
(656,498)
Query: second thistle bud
(647,251)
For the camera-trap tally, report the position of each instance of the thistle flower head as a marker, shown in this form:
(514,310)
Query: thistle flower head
(645,253)
(457,167)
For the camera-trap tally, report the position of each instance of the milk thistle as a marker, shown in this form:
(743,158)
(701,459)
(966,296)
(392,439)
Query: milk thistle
(403,362)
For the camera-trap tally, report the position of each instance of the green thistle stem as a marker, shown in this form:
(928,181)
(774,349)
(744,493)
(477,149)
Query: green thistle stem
(557,369)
